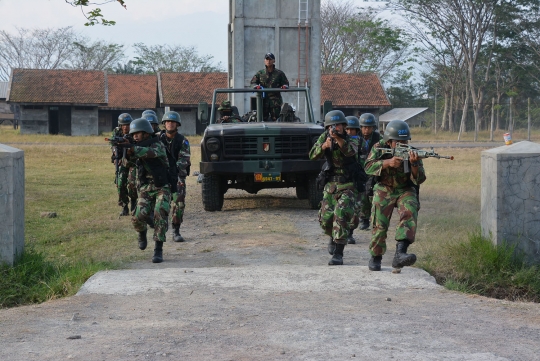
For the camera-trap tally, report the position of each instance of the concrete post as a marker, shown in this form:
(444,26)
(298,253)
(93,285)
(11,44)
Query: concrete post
(11,203)
(510,197)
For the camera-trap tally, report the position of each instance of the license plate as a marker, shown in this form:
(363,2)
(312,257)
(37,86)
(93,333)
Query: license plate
(267,177)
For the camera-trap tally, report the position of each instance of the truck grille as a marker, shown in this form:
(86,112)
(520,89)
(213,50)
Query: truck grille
(282,146)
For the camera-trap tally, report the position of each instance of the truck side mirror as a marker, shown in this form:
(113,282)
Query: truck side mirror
(202,112)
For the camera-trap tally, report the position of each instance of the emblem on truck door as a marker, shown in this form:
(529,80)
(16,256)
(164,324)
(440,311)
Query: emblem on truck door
(266,147)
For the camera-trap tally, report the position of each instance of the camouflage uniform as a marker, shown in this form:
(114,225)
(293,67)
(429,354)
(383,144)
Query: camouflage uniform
(272,102)
(126,180)
(363,151)
(152,196)
(336,214)
(180,150)
(356,140)
(394,189)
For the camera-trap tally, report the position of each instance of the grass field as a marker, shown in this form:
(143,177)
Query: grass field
(73,176)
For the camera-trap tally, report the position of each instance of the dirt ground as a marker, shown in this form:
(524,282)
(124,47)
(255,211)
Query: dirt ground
(252,283)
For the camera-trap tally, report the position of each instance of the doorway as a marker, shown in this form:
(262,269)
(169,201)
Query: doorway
(60,120)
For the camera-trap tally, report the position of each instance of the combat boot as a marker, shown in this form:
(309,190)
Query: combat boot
(125,211)
(375,263)
(142,240)
(337,258)
(177,237)
(158,253)
(402,259)
(133,206)
(350,238)
(364,224)
(331,246)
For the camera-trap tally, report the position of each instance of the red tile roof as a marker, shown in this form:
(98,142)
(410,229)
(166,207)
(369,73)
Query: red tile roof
(353,90)
(132,91)
(188,89)
(58,86)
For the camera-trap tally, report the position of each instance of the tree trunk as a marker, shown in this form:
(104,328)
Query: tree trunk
(445,110)
(464,114)
(451,111)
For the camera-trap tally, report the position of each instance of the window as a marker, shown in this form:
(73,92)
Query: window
(32,106)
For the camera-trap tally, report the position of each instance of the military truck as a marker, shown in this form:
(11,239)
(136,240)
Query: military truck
(254,154)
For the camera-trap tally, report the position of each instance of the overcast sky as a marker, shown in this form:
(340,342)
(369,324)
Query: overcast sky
(201,23)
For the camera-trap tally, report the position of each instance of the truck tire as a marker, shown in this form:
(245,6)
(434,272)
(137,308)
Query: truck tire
(212,195)
(302,192)
(315,195)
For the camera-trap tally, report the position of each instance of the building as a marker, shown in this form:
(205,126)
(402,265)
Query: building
(6,110)
(354,94)
(412,116)
(77,102)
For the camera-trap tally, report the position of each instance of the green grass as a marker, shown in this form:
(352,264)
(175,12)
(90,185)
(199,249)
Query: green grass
(36,279)
(477,266)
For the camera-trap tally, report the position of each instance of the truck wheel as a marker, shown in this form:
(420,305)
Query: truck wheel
(212,195)
(315,195)
(302,192)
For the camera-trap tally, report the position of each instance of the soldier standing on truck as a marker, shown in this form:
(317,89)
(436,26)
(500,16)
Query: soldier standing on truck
(336,213)
(178,147)
(270,77)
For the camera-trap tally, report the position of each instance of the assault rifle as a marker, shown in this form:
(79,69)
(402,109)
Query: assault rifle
(402,151)
(114,141)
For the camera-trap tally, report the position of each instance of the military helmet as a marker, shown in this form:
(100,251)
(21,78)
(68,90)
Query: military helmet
(225,105)
(397,130)
(367,120)
(152,118)
(124,119)
(148,111)
(141,125)
(334,117)
(352,122)
(171,117)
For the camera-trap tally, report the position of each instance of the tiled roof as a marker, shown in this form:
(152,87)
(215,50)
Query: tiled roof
(190,88)
(132,91)
(58,86)
(353,90)
(401,114)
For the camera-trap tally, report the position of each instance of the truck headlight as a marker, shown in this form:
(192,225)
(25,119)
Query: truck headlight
(212,144)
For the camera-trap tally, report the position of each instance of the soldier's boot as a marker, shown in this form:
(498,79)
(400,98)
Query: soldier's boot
(331,246)
(177,237)
(375,263)
(133,206)
(364,224)
(350,238)
(401,258)
(337,258)
(158,253)
(125,211)
(142,240)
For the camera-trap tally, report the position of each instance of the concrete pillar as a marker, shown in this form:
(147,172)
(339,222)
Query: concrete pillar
(510,198)
(11,203)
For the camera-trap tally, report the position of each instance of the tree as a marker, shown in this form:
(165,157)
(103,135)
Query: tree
(97,55)
(353,42)
(95,16)
(127,68)
(173,58)
(36,49)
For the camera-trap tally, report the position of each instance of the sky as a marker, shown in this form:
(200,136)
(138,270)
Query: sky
(199,23)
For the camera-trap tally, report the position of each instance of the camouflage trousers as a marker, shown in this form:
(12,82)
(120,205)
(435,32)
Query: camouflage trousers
(158,200)
(385,199)
(362,208)
(336,215)
(179,203)
(272,105)
(126,186)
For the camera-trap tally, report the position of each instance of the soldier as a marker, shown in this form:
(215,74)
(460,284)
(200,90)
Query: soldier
(394,189)
(353,127)
(370,137)
(270,77)
(226,113)
(178,147)
(337,207)
(155,191)
(153,119)
(125,179)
